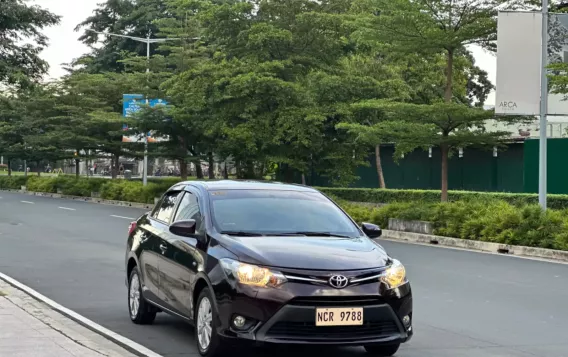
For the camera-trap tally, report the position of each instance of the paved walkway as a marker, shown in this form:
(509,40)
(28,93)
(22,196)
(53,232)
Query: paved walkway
(29,328)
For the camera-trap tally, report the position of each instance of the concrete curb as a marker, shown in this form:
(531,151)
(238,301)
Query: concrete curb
(85,199)
(504,249)
(122,341)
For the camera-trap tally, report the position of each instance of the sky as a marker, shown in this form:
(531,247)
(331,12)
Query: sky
(64,45)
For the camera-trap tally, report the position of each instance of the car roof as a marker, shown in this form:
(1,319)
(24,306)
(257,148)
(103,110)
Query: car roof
(213,185)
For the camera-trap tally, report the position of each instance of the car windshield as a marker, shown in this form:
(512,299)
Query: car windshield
(248,212)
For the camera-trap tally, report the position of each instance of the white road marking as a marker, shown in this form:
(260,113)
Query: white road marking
(93,326)
(67,208)
(28,202)
(115,216)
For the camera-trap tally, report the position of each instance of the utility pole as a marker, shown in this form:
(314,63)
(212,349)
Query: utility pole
(542,161)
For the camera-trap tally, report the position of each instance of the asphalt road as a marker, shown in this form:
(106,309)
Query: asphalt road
(466,304)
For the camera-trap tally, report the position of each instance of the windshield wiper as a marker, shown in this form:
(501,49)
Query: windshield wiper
(313,234)
(242,234)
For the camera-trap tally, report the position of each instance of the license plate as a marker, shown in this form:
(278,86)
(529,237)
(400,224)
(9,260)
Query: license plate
(351,316)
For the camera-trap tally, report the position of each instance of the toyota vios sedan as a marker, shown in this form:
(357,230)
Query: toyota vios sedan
(267,263)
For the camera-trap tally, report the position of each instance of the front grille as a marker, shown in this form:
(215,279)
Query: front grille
(336,301)
(308,330)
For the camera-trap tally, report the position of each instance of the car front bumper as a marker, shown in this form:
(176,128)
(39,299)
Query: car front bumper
(294,321)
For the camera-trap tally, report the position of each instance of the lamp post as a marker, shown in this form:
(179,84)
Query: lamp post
(147,41)
(542,189)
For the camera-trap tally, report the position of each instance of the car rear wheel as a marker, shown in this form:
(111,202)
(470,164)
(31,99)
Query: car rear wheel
(382,350)
(208,341)
(141,312)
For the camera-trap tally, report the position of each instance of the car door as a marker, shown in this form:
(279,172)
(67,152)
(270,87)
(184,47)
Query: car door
(156,232)
(181,261)
(148,257)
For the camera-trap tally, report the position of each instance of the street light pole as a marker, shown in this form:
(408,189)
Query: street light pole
(542,162)
(145,170)
(147,41)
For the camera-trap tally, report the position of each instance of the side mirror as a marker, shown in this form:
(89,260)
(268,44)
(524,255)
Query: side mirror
(372,230)
(185,228)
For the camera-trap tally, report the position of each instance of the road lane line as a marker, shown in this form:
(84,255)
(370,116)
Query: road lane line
(67,208)
(28,202)
(120,340)
(115,216)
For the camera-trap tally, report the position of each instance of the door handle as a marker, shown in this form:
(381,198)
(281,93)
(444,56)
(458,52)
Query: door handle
(163,247)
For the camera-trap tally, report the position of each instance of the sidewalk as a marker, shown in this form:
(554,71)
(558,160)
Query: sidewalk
(29,328)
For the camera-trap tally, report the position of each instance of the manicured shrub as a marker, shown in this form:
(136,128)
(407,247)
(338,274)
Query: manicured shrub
(12,182)
(389,196)
(491,221)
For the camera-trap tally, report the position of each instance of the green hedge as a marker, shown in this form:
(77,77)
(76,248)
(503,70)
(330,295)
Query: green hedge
(490,221)
(121,190)
(430,196)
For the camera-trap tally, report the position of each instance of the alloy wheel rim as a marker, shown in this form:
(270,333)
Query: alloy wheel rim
(134,295)
(204,319)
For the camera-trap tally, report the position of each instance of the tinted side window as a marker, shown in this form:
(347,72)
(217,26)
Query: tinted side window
(189,209)
(165,208)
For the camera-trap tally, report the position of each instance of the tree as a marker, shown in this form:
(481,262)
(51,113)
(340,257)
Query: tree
(24,125)
(262,93)
(20,63)
(440,27)
(125,17)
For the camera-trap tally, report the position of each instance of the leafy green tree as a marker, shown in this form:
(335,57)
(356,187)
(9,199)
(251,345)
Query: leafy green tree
(125,17)
(24,127)
(21,41)
(435,28)
(258,93)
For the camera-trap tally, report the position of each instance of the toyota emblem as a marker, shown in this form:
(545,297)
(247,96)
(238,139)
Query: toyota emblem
(338,281)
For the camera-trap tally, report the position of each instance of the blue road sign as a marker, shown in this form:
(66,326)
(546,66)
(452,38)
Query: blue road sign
(131,103)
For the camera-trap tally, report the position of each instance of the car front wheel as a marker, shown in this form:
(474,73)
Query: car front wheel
(208,341)
(382,350)
(140,311)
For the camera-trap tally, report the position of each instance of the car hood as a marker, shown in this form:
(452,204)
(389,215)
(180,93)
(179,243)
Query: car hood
(311,253)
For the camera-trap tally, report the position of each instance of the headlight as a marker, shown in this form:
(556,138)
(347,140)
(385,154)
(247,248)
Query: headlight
(395,275)
(254,275)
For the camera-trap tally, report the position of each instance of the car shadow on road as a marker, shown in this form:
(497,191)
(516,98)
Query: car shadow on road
(180,332)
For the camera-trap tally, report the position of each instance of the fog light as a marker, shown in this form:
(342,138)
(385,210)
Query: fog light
(239,321)
(406,320)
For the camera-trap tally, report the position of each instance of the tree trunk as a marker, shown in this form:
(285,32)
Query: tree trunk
(211,169)
(379,166)
(225,171)
(77,168)
(114,166)
(9,167)
(183,169)
(198,169)
(238,167)
(445,150)
(250,174)
(303,179)
(449,77)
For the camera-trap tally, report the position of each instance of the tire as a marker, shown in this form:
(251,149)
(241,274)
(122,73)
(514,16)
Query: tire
(382,350)
(144,313)
(206,315)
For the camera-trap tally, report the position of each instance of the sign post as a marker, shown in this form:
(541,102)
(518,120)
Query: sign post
(522,60)
(131,104)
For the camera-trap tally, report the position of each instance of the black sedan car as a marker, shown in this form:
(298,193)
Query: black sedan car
(266,263)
